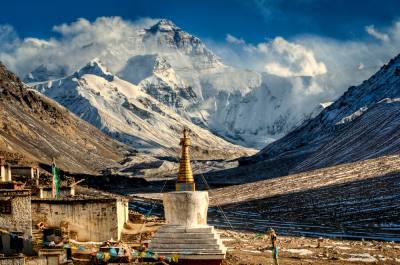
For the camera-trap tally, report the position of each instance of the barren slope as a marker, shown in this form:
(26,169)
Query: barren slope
(358,199)
(39,129)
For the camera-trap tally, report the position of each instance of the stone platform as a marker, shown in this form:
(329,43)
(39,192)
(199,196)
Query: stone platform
(186,233)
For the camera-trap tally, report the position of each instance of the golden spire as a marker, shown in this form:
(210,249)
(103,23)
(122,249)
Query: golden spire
(185,180)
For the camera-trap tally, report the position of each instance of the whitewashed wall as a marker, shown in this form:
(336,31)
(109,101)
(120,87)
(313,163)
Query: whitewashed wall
(93,220)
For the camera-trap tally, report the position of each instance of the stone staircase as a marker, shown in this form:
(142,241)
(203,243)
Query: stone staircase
(201,242)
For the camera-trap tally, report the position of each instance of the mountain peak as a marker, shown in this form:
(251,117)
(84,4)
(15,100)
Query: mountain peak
(44,73)
(164,25)
(95,67)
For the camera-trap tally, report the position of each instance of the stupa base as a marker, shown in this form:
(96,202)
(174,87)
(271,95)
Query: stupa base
(199,262)
(192,245)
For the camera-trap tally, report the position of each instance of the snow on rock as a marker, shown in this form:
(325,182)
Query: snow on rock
(158,79)
(95,67)
(166,36)
(353,116)
(324,105)
(45,73)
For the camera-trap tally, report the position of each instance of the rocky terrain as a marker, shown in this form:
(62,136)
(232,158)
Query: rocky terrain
(36,129)
(254,248)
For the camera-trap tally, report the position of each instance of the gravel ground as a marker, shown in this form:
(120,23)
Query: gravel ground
(254,249)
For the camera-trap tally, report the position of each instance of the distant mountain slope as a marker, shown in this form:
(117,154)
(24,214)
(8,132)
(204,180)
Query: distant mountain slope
(40,129)
(361,124)
(127,113)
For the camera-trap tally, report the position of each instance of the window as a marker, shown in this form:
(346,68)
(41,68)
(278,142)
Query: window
(5,206)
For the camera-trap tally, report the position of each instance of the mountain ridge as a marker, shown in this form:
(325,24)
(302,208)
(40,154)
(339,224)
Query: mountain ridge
(39,129)
(370,109)
(128,114)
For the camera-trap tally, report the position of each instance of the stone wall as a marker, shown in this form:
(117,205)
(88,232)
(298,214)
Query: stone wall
(36,261)
(12,260)
(91,219)
(20,219)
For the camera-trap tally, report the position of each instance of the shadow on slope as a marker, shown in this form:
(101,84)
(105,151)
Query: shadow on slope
(365,208)
(373,134)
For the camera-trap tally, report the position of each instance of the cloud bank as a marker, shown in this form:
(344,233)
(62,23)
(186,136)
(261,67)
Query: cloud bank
(334,65)
(110,38)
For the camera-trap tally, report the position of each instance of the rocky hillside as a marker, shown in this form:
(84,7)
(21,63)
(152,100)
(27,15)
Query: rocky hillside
(36,129)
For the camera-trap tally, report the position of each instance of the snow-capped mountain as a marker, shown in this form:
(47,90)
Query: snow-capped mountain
(127,113)
(363,123)
(166,37)
(178,70)
(44,73)
(157,77)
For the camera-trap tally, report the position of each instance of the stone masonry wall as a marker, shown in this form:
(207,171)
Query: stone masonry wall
(20,219)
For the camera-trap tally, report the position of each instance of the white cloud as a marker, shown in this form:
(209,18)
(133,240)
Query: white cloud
(332,65)
(112,39)
(8,38)
(292,59)
(79,26)
(374,33)
(232,39)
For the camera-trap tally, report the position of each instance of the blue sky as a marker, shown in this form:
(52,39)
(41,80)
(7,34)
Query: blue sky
(253,20)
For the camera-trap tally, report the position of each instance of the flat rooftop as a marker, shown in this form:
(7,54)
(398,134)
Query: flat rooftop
(15,192)
(83,195)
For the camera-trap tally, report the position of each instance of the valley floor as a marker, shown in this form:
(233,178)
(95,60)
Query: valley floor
(253,249)
(353,201)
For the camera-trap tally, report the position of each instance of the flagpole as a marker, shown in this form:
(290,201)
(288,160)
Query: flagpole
(53,184)
(56,180)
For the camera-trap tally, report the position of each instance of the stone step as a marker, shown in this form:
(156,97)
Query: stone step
(182,229)
(186,235)
(190,256)
(194,251)
(184,246)
(165,240)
